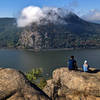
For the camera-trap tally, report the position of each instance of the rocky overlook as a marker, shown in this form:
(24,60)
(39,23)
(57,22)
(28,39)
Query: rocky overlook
(64,85)
(73,85)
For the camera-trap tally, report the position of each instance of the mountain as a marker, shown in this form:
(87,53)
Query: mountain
(9,32)
(69,31)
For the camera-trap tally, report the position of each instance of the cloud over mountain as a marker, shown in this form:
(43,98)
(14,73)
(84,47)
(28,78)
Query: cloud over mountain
(34,14)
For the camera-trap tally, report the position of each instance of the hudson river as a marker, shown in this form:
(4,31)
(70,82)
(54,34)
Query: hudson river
(47,60)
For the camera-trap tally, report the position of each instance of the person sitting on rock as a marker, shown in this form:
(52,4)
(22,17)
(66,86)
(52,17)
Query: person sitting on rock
(72,65)
(85,66)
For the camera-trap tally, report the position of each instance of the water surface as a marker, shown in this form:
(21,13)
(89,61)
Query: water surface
(47,60)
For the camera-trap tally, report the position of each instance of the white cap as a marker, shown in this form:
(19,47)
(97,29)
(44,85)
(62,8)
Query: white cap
(85,62)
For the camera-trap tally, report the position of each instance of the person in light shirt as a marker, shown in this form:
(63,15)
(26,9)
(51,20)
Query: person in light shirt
(85,66)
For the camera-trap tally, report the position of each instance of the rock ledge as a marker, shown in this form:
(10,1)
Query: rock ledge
(74,85)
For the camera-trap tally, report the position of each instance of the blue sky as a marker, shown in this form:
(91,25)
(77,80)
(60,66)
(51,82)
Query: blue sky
(10,8)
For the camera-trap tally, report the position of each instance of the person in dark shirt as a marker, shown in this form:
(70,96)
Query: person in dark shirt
(72,64)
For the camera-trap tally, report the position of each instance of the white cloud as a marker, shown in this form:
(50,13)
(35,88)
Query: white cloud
(28,15)
(92,15)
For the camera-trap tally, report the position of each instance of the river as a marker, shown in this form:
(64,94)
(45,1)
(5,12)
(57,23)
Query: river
(47,60)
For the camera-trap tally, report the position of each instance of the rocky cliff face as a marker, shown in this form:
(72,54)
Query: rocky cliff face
(15,86)
(31,39)
(73,85)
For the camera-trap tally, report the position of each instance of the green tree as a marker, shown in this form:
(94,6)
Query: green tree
(36,77)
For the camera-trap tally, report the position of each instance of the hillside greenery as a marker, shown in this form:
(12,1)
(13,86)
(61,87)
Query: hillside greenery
(9,32)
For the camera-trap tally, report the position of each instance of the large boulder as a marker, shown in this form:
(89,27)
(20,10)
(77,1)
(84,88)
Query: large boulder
(73,85)
(15,86)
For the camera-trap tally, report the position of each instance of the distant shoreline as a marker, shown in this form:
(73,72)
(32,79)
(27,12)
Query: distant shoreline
(54,49)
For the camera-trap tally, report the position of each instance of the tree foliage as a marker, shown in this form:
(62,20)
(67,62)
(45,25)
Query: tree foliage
(36,77)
